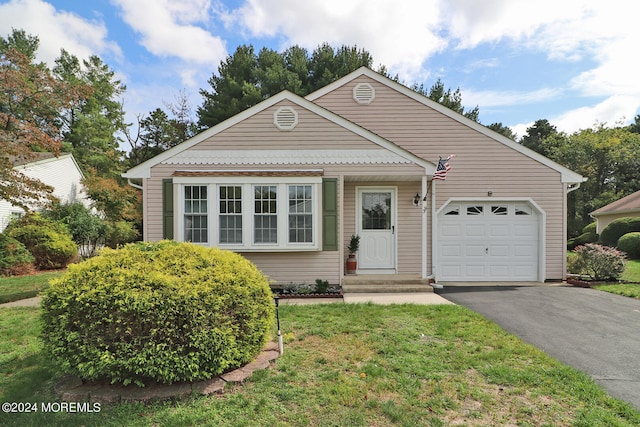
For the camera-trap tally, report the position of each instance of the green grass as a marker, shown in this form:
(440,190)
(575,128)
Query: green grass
(20,287)
(631,274)
(350,365)
(632,271)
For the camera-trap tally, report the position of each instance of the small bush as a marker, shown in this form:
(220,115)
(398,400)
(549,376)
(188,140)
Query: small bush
(15,259)
(600,262)
(49,242)
(630,243)
(618,228)
(161,311)
(87,229)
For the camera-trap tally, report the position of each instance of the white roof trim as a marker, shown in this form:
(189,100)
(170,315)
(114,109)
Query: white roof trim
(286,157)
(568,176)
(143,170)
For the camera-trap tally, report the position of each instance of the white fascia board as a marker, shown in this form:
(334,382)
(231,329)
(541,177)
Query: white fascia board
(568,176)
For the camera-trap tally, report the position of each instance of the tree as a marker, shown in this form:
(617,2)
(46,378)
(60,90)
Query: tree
(31,101)
(608,157)
(537,134)
(246,78)
(502,129)
(451,100)
(91,127)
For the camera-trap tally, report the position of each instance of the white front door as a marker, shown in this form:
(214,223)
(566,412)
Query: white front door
(376,221)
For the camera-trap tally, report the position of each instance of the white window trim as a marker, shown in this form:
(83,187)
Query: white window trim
(247,184)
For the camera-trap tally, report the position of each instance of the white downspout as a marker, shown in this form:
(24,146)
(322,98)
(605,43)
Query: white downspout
(424,226)
(434,231)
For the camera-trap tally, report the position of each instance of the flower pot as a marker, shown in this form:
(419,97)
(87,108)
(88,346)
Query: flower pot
(352,264)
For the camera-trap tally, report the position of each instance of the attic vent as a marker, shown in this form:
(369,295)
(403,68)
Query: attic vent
(285,118)
(364,93)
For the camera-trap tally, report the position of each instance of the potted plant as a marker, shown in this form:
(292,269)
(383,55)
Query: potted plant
(352,262)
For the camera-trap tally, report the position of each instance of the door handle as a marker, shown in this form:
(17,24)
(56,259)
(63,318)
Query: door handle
(393,229)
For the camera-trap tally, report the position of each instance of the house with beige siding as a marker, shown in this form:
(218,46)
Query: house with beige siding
(628,206)
(289,181)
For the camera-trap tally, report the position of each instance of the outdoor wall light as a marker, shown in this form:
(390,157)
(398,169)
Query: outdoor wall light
(416,200)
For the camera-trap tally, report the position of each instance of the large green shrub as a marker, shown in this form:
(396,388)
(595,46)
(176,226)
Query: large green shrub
(588,235)
(161,311)
(14,257)
(49,242)
(599,262)
(617,228)
(630,243)
(87,230)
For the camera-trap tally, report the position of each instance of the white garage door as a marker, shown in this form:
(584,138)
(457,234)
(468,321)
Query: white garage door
(479,241)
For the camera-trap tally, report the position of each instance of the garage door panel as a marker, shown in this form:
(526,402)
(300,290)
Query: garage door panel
(484,243)
(499,272)
(499,230)
(475,271)
(475,230)
(474,251)
(451,250)
(451,230)
(527,251)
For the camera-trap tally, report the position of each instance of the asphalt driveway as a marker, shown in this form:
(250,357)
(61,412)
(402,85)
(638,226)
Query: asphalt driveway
(593,331)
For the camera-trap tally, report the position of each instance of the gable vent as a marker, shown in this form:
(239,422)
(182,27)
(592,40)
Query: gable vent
(364,93)
(285,118)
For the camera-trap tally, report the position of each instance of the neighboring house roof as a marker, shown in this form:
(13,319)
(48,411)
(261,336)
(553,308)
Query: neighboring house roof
(388,153)
(42,158)
(568,176)
(630,203)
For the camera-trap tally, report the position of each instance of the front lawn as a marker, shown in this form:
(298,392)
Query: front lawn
(631,274)
(355,365)
(20,287)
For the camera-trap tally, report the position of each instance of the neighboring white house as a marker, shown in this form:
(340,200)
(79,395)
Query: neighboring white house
(62,173)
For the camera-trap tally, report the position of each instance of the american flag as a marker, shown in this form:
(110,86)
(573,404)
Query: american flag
(442,168)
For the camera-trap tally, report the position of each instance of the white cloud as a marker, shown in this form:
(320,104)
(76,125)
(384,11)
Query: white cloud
(399,34)
(169,29)
(610,112)
(503,98)
(56,30)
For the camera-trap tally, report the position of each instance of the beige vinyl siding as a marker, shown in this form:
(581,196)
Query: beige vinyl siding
(297,267)
(605,219)
(259,132)
(482,164)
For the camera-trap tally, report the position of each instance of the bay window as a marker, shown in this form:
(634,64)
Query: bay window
(251,213)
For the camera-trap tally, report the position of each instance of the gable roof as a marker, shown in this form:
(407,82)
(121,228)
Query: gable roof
(143,170)
(568,176)
(43,158)
(630,203)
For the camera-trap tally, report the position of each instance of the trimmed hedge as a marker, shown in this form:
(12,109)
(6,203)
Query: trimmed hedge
(49,242)
(630,243)
(618,228)
(588,235)
(163,311)
(14,257)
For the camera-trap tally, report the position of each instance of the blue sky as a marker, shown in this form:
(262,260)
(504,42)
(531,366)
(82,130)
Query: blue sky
(571,62)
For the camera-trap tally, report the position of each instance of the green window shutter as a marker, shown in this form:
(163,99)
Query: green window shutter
(330,214)
(167,208)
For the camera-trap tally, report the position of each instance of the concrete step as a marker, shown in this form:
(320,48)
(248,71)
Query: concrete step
(386,288)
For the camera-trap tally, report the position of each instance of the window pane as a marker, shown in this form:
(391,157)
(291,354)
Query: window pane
(376,211)
(265,220)
(195,218)
(230,214)
(300,214)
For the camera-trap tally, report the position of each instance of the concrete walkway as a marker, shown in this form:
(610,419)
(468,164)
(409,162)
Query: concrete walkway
(422,298)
